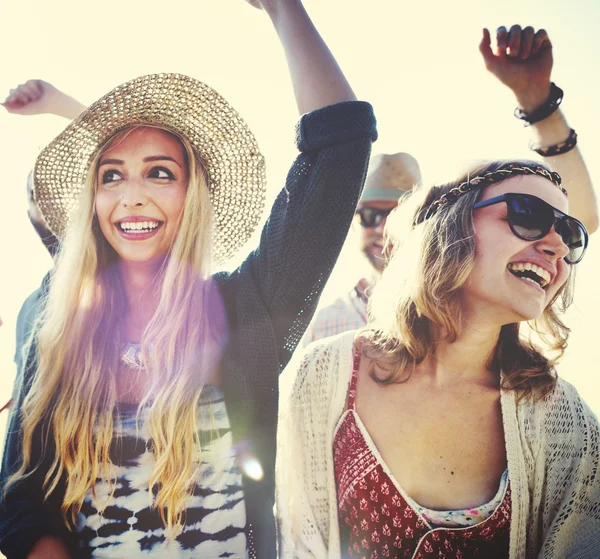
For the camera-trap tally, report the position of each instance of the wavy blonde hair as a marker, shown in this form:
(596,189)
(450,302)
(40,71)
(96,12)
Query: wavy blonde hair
(419,295)
(79,339)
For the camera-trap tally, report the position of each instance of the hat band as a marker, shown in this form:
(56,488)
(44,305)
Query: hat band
(377,193)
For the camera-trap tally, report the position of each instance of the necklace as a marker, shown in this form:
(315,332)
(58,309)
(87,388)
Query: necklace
(130,355)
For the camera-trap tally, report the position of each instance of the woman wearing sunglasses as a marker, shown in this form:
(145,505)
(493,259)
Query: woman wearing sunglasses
(439,430)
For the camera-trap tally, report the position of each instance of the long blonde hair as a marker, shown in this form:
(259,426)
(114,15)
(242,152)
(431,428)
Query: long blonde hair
(419,295)
(79,340)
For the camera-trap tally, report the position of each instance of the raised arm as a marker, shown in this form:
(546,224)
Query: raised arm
(36,97)
(523,62)
(316,77)
(310,218)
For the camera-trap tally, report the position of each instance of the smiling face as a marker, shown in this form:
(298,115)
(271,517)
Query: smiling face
(142,182)
(499,285)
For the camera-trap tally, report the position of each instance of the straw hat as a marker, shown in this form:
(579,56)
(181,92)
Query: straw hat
(390,176)
(235,166)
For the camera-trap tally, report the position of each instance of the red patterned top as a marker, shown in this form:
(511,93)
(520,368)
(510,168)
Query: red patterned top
(377,521)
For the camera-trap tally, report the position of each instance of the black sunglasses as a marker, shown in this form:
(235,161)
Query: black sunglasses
(531,219)
(372,217)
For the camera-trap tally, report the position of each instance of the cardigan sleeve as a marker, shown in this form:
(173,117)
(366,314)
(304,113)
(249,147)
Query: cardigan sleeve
(310,218)
(571,507)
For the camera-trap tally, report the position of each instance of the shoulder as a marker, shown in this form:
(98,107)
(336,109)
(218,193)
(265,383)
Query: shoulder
(29,307)
(563,420)
(339,316)
(332,311)
(319,367)
(224,286)
(566,407)
(566,402)
(29,311)
(33,304)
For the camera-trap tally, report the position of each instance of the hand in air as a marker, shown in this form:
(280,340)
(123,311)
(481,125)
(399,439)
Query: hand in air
(522,61)
(36,97)
(33,97)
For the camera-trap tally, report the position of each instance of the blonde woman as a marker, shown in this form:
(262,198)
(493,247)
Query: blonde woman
(145,424)
(438,430)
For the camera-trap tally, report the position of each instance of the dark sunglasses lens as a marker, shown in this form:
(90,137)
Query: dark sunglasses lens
(531,218)
(371,217)
(573,235)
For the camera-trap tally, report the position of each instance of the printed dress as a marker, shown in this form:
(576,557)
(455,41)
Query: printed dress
(378,520)
(129,527)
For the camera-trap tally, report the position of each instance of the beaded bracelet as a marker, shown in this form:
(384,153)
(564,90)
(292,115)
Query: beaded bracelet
(543,111)
(560,148)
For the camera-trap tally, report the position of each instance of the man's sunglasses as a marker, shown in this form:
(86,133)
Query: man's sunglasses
(372,217)
(531,219)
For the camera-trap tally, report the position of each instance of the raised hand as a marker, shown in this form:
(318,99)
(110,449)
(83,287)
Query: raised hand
(316,77)
(36,97)
(522,61)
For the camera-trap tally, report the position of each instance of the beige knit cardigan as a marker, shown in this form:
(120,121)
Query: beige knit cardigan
(551,447)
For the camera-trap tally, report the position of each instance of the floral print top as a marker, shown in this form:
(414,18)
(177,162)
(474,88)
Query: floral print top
(377,519)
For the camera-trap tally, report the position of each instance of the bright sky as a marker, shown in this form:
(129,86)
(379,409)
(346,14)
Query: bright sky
(417,63)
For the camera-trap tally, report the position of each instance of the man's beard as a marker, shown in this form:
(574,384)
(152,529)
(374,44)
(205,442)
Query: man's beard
(377,262)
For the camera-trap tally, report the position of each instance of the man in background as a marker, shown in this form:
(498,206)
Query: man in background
(390,177)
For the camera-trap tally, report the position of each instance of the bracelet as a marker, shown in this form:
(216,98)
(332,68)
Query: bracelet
(558,149)
(543,111)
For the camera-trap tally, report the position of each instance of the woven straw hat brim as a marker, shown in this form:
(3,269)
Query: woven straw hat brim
(229,150)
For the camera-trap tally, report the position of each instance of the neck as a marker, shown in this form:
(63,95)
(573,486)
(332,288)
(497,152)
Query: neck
(464,360)
(140,282)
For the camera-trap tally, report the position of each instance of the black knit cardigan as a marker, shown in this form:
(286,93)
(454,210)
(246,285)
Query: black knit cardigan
(269,300)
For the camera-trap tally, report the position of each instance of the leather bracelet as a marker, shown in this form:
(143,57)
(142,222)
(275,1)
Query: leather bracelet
(543,111)
(560,148)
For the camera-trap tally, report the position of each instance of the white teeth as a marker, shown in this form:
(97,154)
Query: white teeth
(138,225)
(543,274)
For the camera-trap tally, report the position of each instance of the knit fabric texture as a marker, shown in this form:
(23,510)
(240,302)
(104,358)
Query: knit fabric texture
(269,301)
(551,445)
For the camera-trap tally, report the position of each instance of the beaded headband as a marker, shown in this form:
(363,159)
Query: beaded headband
(481,181)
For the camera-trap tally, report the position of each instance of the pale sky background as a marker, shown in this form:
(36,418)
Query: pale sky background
(417,63)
